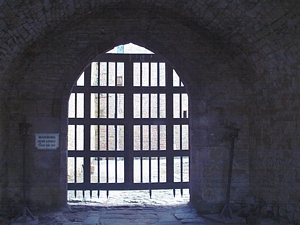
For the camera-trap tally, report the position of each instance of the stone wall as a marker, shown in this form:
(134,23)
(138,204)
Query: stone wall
(274,119)
(49,74)
(221,105)
(238,60)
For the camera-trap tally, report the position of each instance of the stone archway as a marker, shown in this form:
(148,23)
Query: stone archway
(240,61)
(217,98)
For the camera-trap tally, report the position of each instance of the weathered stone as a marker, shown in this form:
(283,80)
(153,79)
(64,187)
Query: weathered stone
(239,61)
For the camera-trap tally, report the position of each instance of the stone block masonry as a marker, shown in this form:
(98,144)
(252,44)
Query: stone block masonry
(239,62)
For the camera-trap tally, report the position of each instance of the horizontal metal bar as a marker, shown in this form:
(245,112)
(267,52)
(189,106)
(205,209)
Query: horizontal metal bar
(157,89)
(160,153)
(96,153)
(134,89)
(140,153)
(129,57)
(159,121)
(126,186)
(99,89)
(96,121)
(121,121)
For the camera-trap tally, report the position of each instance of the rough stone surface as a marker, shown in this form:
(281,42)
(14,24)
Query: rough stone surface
(239,61)
(122,215)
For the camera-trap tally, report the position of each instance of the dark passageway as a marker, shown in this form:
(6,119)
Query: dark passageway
(238,61)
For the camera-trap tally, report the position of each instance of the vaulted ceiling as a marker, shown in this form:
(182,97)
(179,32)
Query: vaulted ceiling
(264,33)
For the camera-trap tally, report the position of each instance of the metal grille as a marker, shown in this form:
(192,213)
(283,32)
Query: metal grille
(128,126)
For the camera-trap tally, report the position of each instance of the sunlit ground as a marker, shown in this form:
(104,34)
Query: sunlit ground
(136,197)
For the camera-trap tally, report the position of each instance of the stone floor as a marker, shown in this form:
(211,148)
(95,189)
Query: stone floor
(134,208)
(123,215)
(133,215)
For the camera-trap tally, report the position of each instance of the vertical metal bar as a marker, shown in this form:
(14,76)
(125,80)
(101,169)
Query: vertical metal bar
(158,132)
(115,94)
(158,169)
(150,147)
(107,175)
(75,147)
(98,75)
(180,106)
(98,162)
(107,77)
(106,137)
(75,169)
(107,105)
(128,121)
(75,137)
(116,159)
(117,105)
(180,137)
(141,74)
(158,74)
(116,136)
(181,168)
(98,105)
(141,166)
(87,130)
(75,104)
(181,172)
(142,137)
(158,95)
(150,136)
(170,120)
(142,148)
(98,137)
(107,170)
(159,116)
(116,73)
(150,178)
(149,105)
(116,170)
(141,105)
(149,72)
(158,137)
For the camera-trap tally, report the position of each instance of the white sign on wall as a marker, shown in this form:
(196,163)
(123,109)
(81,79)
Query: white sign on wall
(47,140)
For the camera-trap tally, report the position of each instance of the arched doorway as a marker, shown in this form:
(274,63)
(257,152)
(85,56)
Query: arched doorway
(128,126)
